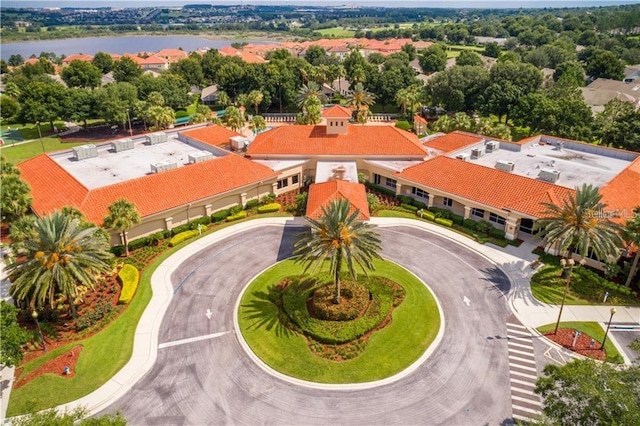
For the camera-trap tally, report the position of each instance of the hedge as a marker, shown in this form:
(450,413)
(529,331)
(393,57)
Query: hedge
(425,214)
(252,203)
(220,216)
(380,189)
(128,278)
(443,221)
(269,208)
(237,216)
(183,236)
(409,207)
(235,209)
(404,125)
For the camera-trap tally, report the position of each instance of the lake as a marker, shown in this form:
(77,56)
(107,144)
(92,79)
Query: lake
(118,45)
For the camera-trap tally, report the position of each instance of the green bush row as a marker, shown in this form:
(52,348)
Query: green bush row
(128,278)
(269,208)
(183,236)
(409,207)
(237,216)
(443,221)
(425,214)
(252,204)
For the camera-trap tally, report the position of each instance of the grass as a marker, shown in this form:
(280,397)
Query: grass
(23,151)
(414,327)
(336,32)
(592,329)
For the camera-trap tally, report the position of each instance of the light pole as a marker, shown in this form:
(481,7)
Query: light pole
(34,315)
(567,269)
(129,118)
(613,311)
(40,134)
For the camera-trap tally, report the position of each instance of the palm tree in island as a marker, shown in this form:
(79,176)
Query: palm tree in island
(579,224)
(361,100)
(62,256)
(339,238)
(123,215)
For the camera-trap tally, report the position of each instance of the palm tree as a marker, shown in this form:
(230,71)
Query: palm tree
(14,197)
(255,98)
(311,111)
(578,225)
(222,98)
(257,124)
(308,90)
(462,121)
(631,234)
(234,118)
(443,124)
(61,257)
(123,215)
(161,116)
(403,98)
(361,100)
(339,237)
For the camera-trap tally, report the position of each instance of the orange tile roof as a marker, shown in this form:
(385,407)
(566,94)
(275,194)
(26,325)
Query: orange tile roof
(321,194)
(453,141)
(337,111)
(172,55)
(252,58)
(213,135)
(419,119)
(151,194)
(485,185)
(78,57)
(622,193)
(383,141)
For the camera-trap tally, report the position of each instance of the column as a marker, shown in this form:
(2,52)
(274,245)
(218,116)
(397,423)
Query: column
(243,199)
(168,223)
(467,212)
(398,189)
(511,228)
(430,199)
(207,210)
(274,187)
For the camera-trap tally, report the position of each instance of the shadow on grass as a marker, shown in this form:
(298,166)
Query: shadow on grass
(263,313)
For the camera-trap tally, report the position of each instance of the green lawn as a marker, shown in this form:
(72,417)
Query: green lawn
(416,323)
(592,329)
(23,151)
(336,32)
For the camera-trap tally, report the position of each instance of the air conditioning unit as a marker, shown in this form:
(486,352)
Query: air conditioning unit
(199,157)
(506,166)
(85,152)
(464,156)
(163,166)
(156,138)
(549,175)
(477,152)
(238,143)
(492,146)
(122,145)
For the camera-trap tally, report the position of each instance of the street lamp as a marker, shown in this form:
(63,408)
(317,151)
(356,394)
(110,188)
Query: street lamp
(613,311)
(567,269)
(40,133)
(34,315)
(129,118)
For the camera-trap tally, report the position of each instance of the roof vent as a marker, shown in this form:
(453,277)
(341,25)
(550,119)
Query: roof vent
(199,157)
(122,145)
(156,138)
(506,166)
(163,166)
(492,146)
(549,175)
(463,156)
(477,152)
(85,152)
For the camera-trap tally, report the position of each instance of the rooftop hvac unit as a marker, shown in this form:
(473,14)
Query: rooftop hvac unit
(477,152)
(464,156)
(85,152)
(199,157)
(238,143)
(549,175)
(493,146)
(156,138)
(506,166)
(163,166)
(122,145)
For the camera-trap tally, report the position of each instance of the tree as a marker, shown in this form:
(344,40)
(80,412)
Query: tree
(77,105)
(103,61)
(234,118)
(15,60)
(360,99)
(255,98)
(12,90)
(41,101)
(468,57)
(584,392)
(126,70)
(311,89)
(15,198)
(14,337)
(316,55)
(123,215)
(631,234)
(81,74)
(113,100)
(190,69)
(257,124)
(458,88)
(22,230)
(619,125)
(9,107)
(577,224)
(492,50)
(570,73)
(201,115)
(410,50)
(443,124)
(60,258)
(604,64)
(311,111)
(340,238)
(433,59)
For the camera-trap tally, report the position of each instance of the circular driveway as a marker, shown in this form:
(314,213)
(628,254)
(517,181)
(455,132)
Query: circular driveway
(203,376)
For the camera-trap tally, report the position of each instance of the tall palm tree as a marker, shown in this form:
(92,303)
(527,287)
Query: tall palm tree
(61,257)
(443,124)
(339,237)
(360,99)
(631,234)
(308,90)
(161,116)
(311,111)
(123,215)
(577,224)
(234,118)
(257,124)
(255,98)
(403,98)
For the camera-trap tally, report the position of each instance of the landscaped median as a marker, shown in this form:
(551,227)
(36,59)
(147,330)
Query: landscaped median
(588,343)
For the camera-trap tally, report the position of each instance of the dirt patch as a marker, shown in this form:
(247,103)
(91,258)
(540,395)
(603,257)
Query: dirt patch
(585,345)
(102,134)
(63,365)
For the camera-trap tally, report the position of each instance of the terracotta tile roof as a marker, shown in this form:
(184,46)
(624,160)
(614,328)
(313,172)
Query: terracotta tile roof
(321,194)
(337,111)
(172,55)
(252,58)
(453,141)
(419,119)
(387,141)
(151,194)
(213,135)
(78,57)
(485,185)
(622,193)
(228,51)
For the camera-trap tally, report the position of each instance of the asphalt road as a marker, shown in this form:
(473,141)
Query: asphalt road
(213,381)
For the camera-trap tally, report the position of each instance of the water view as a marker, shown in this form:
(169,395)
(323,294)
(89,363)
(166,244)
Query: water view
(118,45)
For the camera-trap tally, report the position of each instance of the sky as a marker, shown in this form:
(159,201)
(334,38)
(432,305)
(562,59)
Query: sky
(400,3)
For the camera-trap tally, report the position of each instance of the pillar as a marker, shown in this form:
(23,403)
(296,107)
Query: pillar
(168,223)
(467,212)
(511,228)
(398,189)
(243,199)
(207,210)
(430,199)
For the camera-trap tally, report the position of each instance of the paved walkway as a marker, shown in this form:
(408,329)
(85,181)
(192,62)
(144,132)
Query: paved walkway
(514,261)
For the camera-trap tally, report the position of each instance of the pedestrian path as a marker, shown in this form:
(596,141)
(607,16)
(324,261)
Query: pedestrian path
(522,372)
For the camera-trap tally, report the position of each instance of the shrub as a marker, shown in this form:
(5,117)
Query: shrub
(235,209)
(269,208)
(252,203)
(409,207)
(404,199)
(445,222)
(456,218)
(128,278)
(219,216)
(483,226)
(496,233)
(425,214)
(102,310)
(380,189)
(183,236)
(180,229)
(237,216)
(404,125)
(469,224)
(373,201)
(301,202)
(117,250)
(181,113)
(443,213)
(418,204)
(268,199)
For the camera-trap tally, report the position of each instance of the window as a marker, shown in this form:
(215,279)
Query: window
(477,212)
(497,219)
(447,201)
(283,183)
(342,123)
(419,192)
(295,179)
(376,179)
(391,183)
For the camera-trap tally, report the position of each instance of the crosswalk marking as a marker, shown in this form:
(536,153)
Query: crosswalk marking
(525,403)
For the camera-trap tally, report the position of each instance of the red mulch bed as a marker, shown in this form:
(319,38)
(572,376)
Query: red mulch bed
(55,366)
(583,346)
(101,134)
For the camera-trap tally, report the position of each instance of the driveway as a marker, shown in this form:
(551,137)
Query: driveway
(203,376)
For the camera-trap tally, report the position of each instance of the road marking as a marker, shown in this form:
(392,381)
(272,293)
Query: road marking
(466,301)
(517,345)
(208,314)
(522,363)
(192,339)
(525,375)
(521,352)
(525,404)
